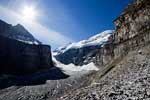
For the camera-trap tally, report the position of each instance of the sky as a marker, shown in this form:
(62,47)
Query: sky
(59,22)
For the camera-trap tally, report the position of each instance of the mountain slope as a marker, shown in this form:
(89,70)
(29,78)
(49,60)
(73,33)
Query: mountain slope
(83,52)
(129,80)
(126,76)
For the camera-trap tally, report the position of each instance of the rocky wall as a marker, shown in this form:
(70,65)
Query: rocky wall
(21,58)
(132,31)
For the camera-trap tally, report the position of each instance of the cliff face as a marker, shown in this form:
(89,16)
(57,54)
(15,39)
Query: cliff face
(132,27)
(133,21)
(19,57)
(132,31)
(105,55)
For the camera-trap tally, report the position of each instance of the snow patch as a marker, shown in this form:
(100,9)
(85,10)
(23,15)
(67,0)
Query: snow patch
(28,42)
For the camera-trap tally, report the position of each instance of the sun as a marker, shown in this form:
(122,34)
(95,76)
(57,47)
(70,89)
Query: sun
(29,13)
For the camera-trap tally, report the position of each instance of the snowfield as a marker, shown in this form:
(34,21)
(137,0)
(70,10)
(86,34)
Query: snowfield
(72,69)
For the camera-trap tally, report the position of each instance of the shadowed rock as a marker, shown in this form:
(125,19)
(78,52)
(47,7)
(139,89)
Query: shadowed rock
(32,79)
(18,57)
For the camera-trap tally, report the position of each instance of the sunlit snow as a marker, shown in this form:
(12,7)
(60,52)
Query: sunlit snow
(72,69)
(98,39)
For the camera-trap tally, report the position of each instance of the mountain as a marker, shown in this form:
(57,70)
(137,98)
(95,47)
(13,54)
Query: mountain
(124,67)
(126,74)
(83,52)
(20,52)
(17,32)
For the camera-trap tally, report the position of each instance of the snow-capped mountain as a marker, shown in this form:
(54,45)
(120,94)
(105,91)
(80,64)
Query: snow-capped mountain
(17,32)
(99,39)
(83,52)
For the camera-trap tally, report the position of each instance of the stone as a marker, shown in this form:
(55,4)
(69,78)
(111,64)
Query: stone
(140,52)
(148,92)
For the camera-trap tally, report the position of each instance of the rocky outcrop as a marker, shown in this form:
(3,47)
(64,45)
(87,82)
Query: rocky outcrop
(132,31)
(133,21)
(18,57)
(132,27)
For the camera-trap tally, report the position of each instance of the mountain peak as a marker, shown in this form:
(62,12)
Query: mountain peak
(19,25)
(17,32)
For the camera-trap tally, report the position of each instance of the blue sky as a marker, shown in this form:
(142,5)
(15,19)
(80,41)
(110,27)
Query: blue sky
(62,21)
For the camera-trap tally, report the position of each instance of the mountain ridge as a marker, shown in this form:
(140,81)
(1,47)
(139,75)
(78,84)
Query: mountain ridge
(17,32)
(83,52)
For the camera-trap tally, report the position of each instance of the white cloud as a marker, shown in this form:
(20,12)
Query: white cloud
(42,33)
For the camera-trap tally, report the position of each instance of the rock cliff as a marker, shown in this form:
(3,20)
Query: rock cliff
(132,30)
(18,57)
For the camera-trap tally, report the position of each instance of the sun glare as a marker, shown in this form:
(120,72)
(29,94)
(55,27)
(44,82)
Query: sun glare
(29,13)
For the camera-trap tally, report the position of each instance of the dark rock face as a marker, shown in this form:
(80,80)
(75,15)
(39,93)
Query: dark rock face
(18,57)
(21,58)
